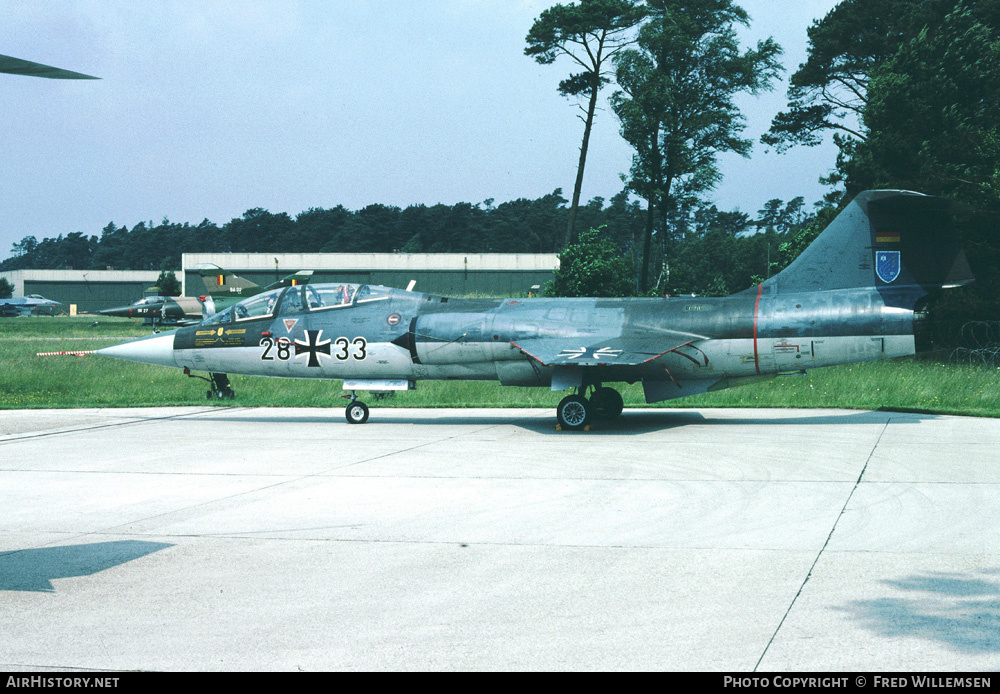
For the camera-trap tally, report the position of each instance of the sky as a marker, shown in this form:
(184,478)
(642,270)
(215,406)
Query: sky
(206,109)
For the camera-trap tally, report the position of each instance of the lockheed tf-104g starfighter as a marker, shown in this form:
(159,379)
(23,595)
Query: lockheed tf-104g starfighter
(849,297)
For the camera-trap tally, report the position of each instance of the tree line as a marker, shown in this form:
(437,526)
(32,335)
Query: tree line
(719,252)
(909,90)
(520,226)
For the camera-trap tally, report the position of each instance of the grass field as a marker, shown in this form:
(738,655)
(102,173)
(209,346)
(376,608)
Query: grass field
(28,381)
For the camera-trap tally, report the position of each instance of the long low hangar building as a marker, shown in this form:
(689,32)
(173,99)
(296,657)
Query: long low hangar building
(90,290)
(453,274)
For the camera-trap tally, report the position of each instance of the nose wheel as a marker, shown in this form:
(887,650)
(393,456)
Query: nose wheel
(357,411)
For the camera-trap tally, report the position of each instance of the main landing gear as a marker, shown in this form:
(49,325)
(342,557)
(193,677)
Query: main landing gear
(575,412)
(357,411)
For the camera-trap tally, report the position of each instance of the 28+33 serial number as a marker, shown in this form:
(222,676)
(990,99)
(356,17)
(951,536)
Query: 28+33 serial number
(342,348)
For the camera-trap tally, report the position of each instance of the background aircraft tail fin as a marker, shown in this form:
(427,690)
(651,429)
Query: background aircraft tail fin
(221,282)
(297,278)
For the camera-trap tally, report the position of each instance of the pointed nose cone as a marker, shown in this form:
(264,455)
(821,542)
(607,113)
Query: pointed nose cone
(156,349)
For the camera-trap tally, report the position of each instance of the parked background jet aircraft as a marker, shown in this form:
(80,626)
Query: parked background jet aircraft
(223,289)
(160,310)
(849,297)
(33,303)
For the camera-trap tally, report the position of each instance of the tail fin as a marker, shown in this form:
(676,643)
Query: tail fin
(220,282)
(298,278)
(902,244)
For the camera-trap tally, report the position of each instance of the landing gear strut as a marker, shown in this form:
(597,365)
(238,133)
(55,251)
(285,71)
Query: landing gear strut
(220,386)
(606,403)
(575,412)
(357,411)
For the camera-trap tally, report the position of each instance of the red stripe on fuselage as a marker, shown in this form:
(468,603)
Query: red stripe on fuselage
(756,308)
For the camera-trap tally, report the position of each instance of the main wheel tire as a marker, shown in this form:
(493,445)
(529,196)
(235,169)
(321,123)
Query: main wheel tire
(606,404)
(573,412)
(357,412)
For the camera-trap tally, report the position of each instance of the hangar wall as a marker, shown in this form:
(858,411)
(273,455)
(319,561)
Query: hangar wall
(453,274)
(90,290)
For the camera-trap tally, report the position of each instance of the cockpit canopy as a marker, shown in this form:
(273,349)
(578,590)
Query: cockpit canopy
(300,299)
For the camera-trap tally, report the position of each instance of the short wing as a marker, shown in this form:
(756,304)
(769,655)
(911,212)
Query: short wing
(618,351)
(17,66)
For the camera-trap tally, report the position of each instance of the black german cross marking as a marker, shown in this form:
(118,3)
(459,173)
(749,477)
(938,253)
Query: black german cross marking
(312,346)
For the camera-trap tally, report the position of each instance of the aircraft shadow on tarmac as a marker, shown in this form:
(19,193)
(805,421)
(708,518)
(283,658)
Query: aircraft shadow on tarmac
(34,569)
(631,422)
(959,610)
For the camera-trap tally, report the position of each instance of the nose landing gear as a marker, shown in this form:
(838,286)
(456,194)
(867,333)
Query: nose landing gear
(357,411)
(220,386)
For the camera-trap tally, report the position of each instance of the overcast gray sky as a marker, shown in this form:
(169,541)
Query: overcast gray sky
(208,108)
